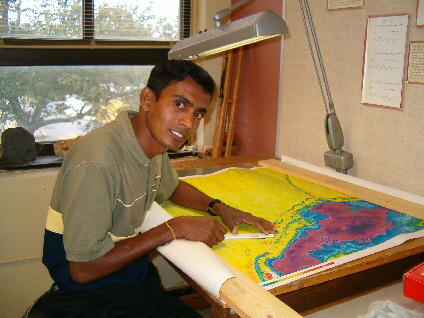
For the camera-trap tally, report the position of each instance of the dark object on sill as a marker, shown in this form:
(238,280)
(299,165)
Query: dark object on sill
(46,158)
(45,148)
(18,146)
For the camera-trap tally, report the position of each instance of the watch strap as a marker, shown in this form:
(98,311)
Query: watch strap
(211,204)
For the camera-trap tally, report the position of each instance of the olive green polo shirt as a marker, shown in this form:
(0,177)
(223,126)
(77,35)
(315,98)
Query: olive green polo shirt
(104,188)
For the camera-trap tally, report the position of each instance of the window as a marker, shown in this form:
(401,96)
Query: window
(68,66)
(64,102)
(91,19)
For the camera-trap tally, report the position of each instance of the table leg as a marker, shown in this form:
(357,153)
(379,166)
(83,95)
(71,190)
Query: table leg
(218,311)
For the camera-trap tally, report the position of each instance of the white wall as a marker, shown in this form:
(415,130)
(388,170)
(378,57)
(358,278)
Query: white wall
(387,144)
(213,64)
(24,200)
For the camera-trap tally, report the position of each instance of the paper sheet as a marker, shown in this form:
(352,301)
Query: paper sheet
(195,259)
(317,228)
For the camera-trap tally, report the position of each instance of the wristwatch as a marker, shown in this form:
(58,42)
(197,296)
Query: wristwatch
(211,204)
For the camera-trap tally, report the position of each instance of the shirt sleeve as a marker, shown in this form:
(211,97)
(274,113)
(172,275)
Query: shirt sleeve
(87,210)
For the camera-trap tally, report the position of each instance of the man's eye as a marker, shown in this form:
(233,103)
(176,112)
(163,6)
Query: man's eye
(179,104)
(199,115)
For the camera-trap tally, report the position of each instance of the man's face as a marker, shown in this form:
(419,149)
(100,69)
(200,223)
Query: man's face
(176,115)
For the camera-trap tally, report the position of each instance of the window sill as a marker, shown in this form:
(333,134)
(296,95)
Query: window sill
(39,162)
(56,161)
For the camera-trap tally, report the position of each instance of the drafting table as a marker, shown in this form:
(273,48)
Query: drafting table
(333,284)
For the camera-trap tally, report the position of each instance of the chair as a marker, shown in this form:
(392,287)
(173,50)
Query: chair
(35,310)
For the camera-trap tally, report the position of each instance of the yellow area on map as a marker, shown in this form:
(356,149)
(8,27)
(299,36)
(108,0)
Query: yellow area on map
(266,193)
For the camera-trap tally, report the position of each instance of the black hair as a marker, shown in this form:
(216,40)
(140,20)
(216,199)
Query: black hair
(178,70)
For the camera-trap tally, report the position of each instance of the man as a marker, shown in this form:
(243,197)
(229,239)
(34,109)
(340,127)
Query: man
(93,247)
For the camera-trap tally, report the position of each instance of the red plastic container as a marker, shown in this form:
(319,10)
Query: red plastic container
(413,283)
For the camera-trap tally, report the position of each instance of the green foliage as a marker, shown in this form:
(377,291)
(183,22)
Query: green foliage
(47,19)
(122,22)
(32,97)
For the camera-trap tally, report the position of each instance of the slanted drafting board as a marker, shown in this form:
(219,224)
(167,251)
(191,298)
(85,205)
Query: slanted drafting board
(317,227)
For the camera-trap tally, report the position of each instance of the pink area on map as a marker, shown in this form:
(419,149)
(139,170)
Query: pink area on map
(341,223)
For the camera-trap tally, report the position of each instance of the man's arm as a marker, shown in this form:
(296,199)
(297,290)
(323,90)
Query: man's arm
(195,228)
(128,251)
(189,196)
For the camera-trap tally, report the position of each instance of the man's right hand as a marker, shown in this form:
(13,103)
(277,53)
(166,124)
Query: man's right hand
(125,252)
(204,229)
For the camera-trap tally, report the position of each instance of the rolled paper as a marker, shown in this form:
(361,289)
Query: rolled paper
(195,259)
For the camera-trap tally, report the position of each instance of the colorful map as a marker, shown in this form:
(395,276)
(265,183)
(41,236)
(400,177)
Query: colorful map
(317,228)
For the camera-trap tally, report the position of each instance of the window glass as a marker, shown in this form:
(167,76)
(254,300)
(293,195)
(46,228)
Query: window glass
(113,19)
(63,102)
(55,19)
(136,20)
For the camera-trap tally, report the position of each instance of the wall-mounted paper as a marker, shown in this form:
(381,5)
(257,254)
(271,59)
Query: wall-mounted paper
(194,258)
(384,61)
(344,4)
(416,62)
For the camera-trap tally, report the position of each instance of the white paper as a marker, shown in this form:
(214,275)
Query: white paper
(195,259)
(354,180)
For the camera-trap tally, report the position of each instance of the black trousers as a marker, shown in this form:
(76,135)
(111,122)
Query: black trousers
(141,300)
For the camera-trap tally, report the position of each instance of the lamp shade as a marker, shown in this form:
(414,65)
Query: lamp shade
(253,28)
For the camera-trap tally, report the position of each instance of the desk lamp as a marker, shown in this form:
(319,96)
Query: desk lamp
(335,158)
(253,28)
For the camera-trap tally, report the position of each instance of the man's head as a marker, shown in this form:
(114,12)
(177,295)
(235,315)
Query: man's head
(167,72)
(172,105)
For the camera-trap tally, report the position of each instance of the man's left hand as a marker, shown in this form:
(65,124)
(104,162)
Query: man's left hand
(231,217)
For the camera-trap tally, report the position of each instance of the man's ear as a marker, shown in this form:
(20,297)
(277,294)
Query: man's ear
(146,98)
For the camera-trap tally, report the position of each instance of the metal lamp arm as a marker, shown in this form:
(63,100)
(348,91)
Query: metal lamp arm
(318,53)
(335,158)
(223,13)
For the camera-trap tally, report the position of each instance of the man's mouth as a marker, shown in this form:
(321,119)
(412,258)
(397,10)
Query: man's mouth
(179,135)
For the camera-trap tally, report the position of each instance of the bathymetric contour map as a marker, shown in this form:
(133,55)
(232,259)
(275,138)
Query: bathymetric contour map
(317,228)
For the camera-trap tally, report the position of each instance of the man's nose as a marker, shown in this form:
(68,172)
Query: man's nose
(186,120)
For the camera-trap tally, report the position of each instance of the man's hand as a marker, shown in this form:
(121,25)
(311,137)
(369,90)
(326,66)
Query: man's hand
(198,228)
(188,196)
(125,252)
(231,217)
